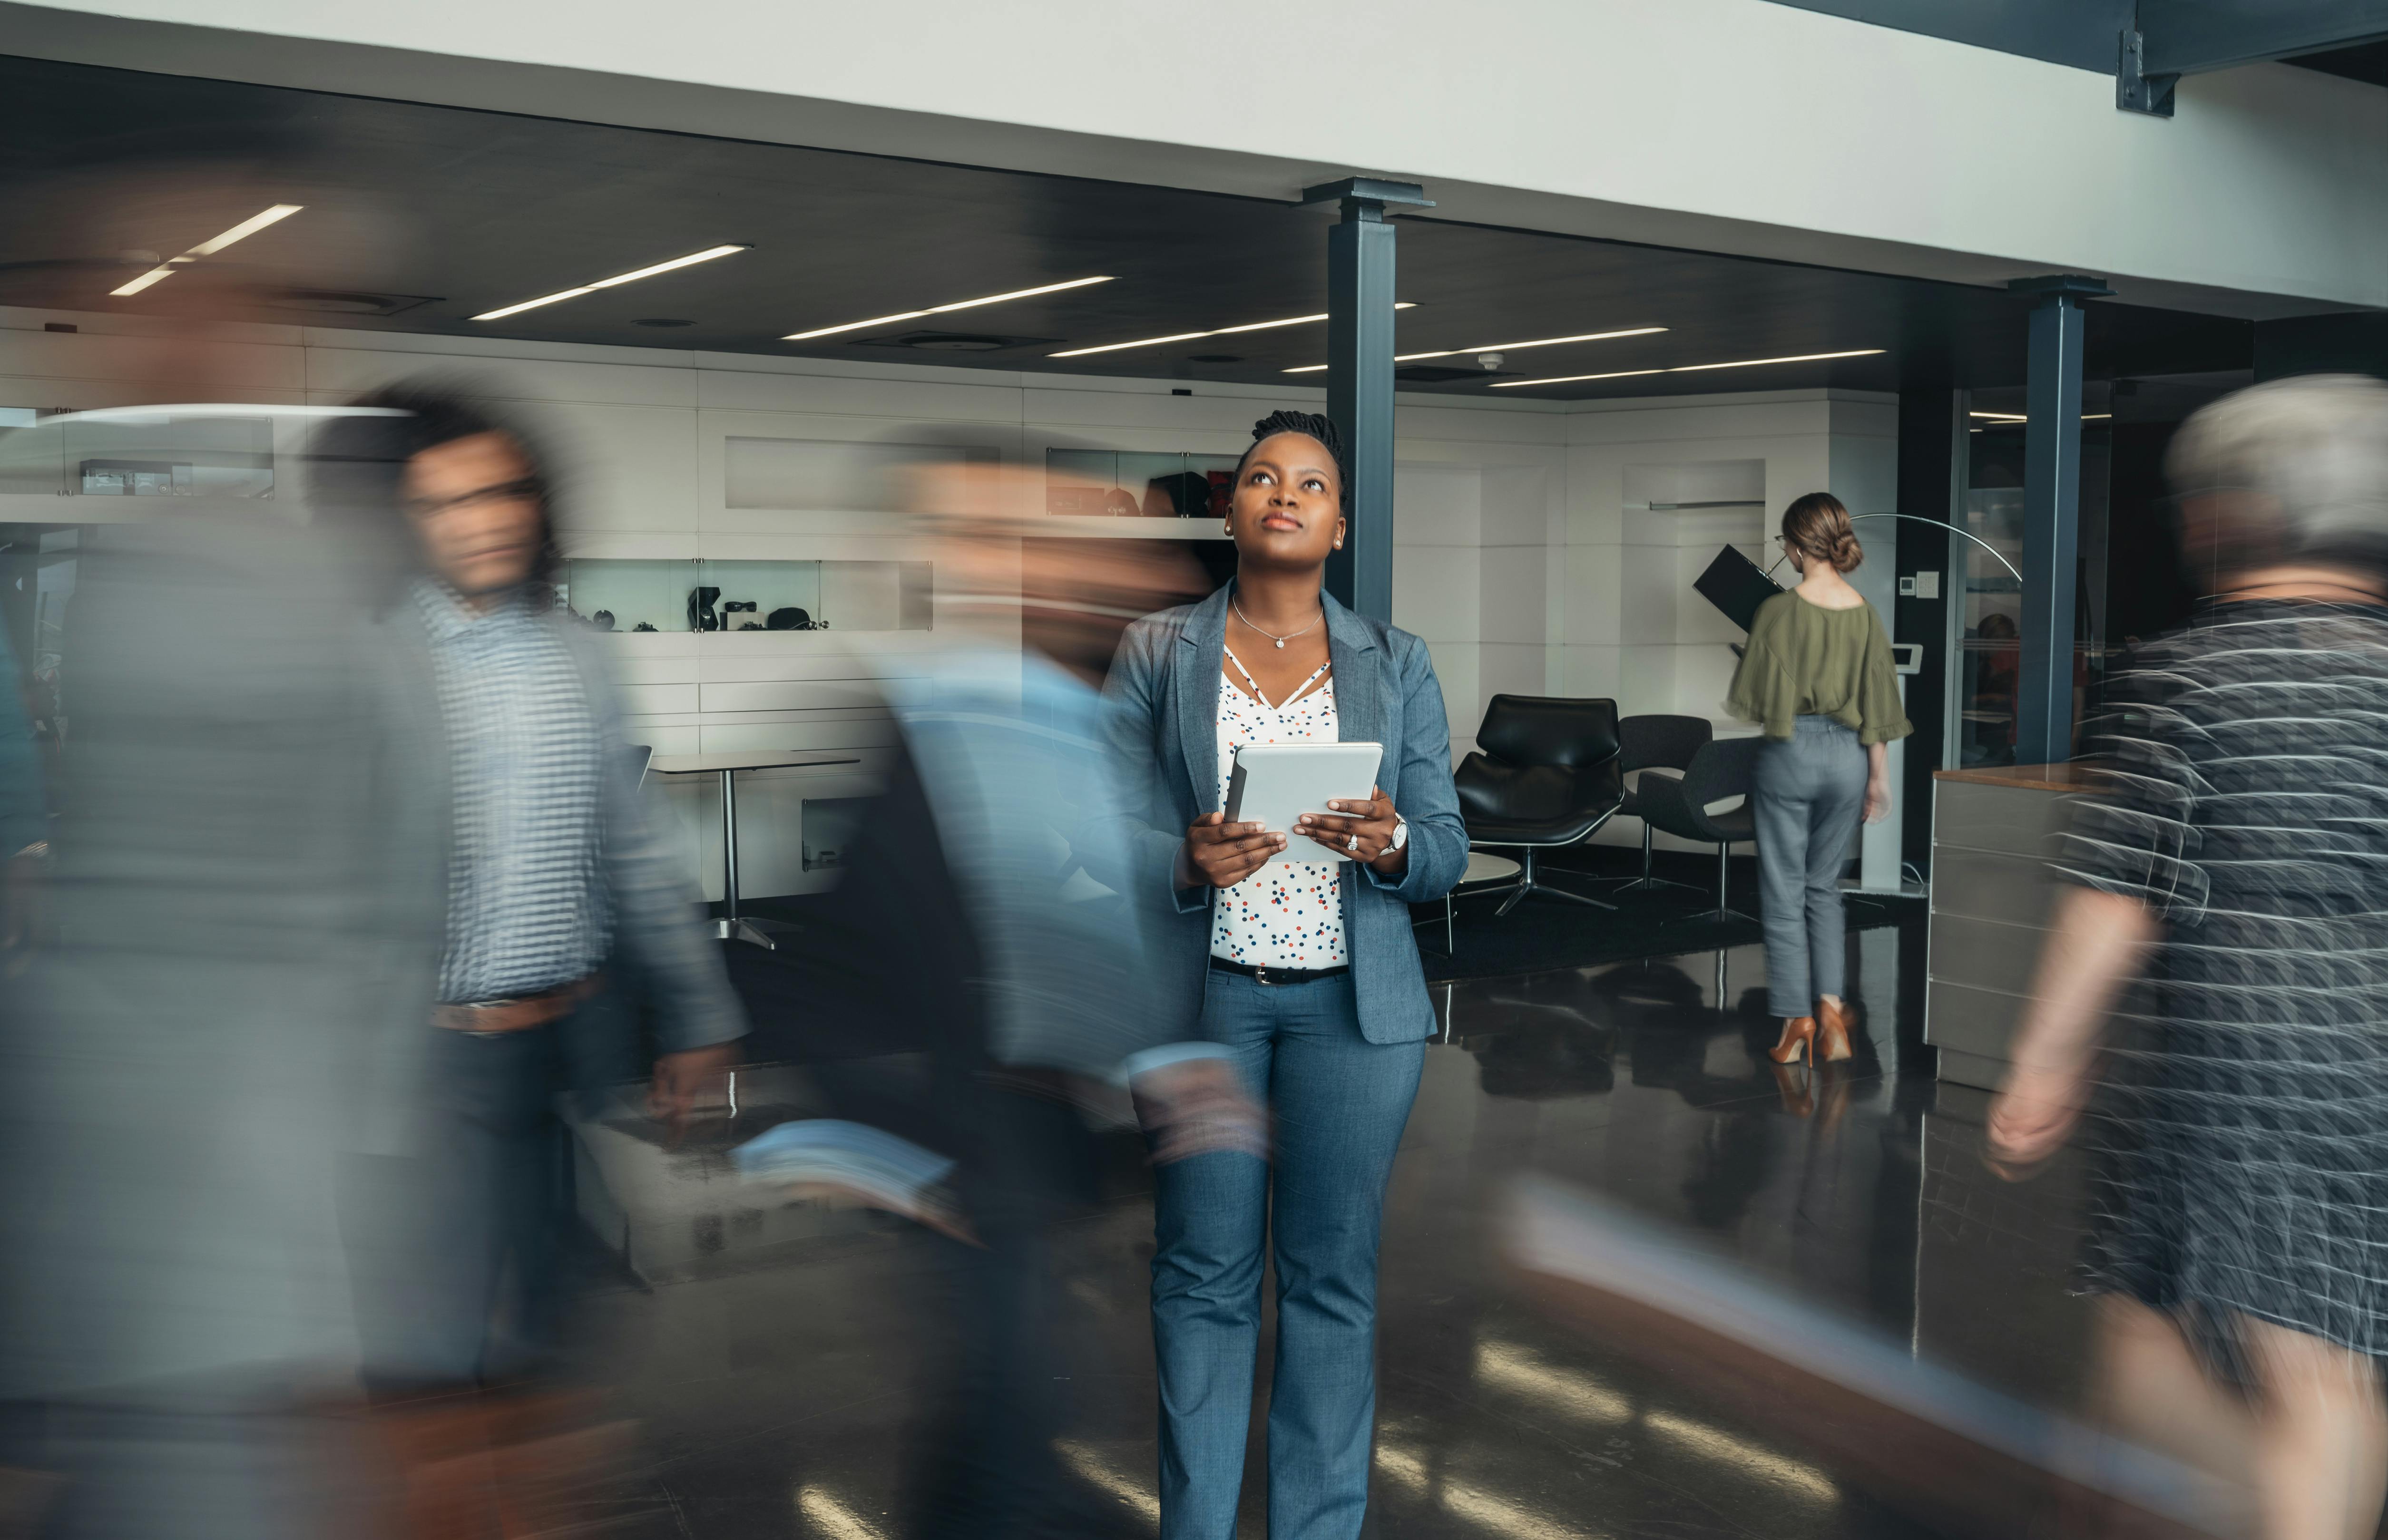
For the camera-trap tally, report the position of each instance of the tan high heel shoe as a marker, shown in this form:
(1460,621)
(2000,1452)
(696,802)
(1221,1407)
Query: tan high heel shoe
(1799,1036)
(1832,1032)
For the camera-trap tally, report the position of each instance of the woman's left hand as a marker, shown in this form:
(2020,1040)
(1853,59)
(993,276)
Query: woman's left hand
(1363,831)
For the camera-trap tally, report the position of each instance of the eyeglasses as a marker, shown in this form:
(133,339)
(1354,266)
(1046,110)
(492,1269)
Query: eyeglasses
(526,490)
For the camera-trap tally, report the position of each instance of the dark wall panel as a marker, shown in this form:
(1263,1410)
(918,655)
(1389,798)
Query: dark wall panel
(1926,420)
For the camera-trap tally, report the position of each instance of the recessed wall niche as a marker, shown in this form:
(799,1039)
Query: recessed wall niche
(750,595)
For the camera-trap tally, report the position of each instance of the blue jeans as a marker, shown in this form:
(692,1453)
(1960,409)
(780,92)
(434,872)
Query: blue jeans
(1340,1104)
(1807,797)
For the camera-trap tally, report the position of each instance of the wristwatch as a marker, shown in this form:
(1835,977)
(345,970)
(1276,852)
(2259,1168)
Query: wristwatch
(1401,832)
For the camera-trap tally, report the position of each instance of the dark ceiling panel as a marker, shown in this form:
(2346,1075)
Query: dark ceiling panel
(2366,61)
(2078,32)
(449,213)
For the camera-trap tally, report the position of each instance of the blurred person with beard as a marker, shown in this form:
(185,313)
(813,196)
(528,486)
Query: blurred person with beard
(2237,852)
(965,923)
(535,896)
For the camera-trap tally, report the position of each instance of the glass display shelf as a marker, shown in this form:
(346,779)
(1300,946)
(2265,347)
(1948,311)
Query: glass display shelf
(629,596)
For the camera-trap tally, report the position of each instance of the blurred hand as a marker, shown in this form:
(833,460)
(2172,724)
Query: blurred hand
(1221,854)
(2033,1112)
(1196,1107)
(1372,821)
(20,912)
(1877,798)
(682,1077)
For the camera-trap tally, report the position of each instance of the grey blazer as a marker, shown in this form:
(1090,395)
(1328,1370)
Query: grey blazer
(1161,728)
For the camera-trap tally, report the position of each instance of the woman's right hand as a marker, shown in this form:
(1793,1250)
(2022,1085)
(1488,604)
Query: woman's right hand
(1221,854)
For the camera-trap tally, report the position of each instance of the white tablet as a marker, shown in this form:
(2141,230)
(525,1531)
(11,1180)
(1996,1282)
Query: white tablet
(1275,783)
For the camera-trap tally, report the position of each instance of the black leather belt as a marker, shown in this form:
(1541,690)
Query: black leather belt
(1276,975)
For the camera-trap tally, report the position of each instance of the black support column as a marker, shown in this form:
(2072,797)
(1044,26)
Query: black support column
(2051,533)
(1360,379)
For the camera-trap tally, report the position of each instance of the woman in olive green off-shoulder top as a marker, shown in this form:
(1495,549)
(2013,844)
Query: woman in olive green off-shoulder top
(1818,675)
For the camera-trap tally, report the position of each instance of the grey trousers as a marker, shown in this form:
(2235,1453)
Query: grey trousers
(1809,794)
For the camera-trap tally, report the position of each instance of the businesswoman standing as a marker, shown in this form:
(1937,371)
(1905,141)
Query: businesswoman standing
(1306,976)
(1818,673)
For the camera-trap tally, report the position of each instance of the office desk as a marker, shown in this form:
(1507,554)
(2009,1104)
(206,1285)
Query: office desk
(730,926)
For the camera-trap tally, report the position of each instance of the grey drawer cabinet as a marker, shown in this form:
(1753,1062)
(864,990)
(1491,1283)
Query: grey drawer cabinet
(1993,833)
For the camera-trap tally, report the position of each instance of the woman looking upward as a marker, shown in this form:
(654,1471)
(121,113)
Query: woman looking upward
(1306,976)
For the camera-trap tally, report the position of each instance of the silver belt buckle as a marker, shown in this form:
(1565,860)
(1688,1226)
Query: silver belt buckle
(1260,976)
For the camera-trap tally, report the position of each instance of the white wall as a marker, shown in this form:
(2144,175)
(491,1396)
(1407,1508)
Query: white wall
(643,432)
(1724,125)
(1630,625)
(1516,555)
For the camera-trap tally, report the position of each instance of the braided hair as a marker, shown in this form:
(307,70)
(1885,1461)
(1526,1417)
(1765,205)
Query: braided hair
(1310,424)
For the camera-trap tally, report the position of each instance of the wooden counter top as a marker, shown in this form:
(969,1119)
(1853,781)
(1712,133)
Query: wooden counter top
(2075,776)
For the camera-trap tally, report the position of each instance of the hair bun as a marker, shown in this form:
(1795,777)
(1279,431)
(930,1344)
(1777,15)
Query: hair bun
(1817,526)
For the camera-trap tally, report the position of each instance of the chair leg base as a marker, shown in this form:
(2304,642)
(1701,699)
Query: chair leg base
(1712,915)
(1528,883)
(1651,884)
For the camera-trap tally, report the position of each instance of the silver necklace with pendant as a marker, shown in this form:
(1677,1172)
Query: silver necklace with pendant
(1279,640)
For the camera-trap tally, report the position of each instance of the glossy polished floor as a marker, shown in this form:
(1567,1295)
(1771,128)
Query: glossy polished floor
(779,1358)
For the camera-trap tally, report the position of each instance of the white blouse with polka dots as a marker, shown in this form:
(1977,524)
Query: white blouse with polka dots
(1285,915)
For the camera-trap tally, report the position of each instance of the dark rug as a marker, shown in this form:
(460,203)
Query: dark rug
(1545,933)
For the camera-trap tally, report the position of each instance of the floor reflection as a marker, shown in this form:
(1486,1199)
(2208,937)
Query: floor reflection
(785,1368)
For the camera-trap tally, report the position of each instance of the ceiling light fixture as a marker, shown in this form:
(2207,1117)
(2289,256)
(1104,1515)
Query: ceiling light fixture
(2004,418)
(1693,368)
(1214,331)
(1538,342)
(1501,346)
(707,254)
(941,309)
(240,232)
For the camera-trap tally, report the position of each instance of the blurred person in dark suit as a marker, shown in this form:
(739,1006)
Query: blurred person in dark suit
(198,1047)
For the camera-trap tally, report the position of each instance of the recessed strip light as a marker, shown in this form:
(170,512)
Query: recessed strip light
(1214,331)
(240,232)
(940,309)
(707,254)
(1537,342)
(1501,346)
(1692,368)
(2003,418)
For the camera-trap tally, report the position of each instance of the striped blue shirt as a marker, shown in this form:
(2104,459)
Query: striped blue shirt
(527,906)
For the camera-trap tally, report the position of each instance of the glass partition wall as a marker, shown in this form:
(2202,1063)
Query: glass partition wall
(1986,647)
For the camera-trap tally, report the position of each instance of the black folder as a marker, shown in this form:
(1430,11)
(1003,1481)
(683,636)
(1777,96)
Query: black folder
(1738,585)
